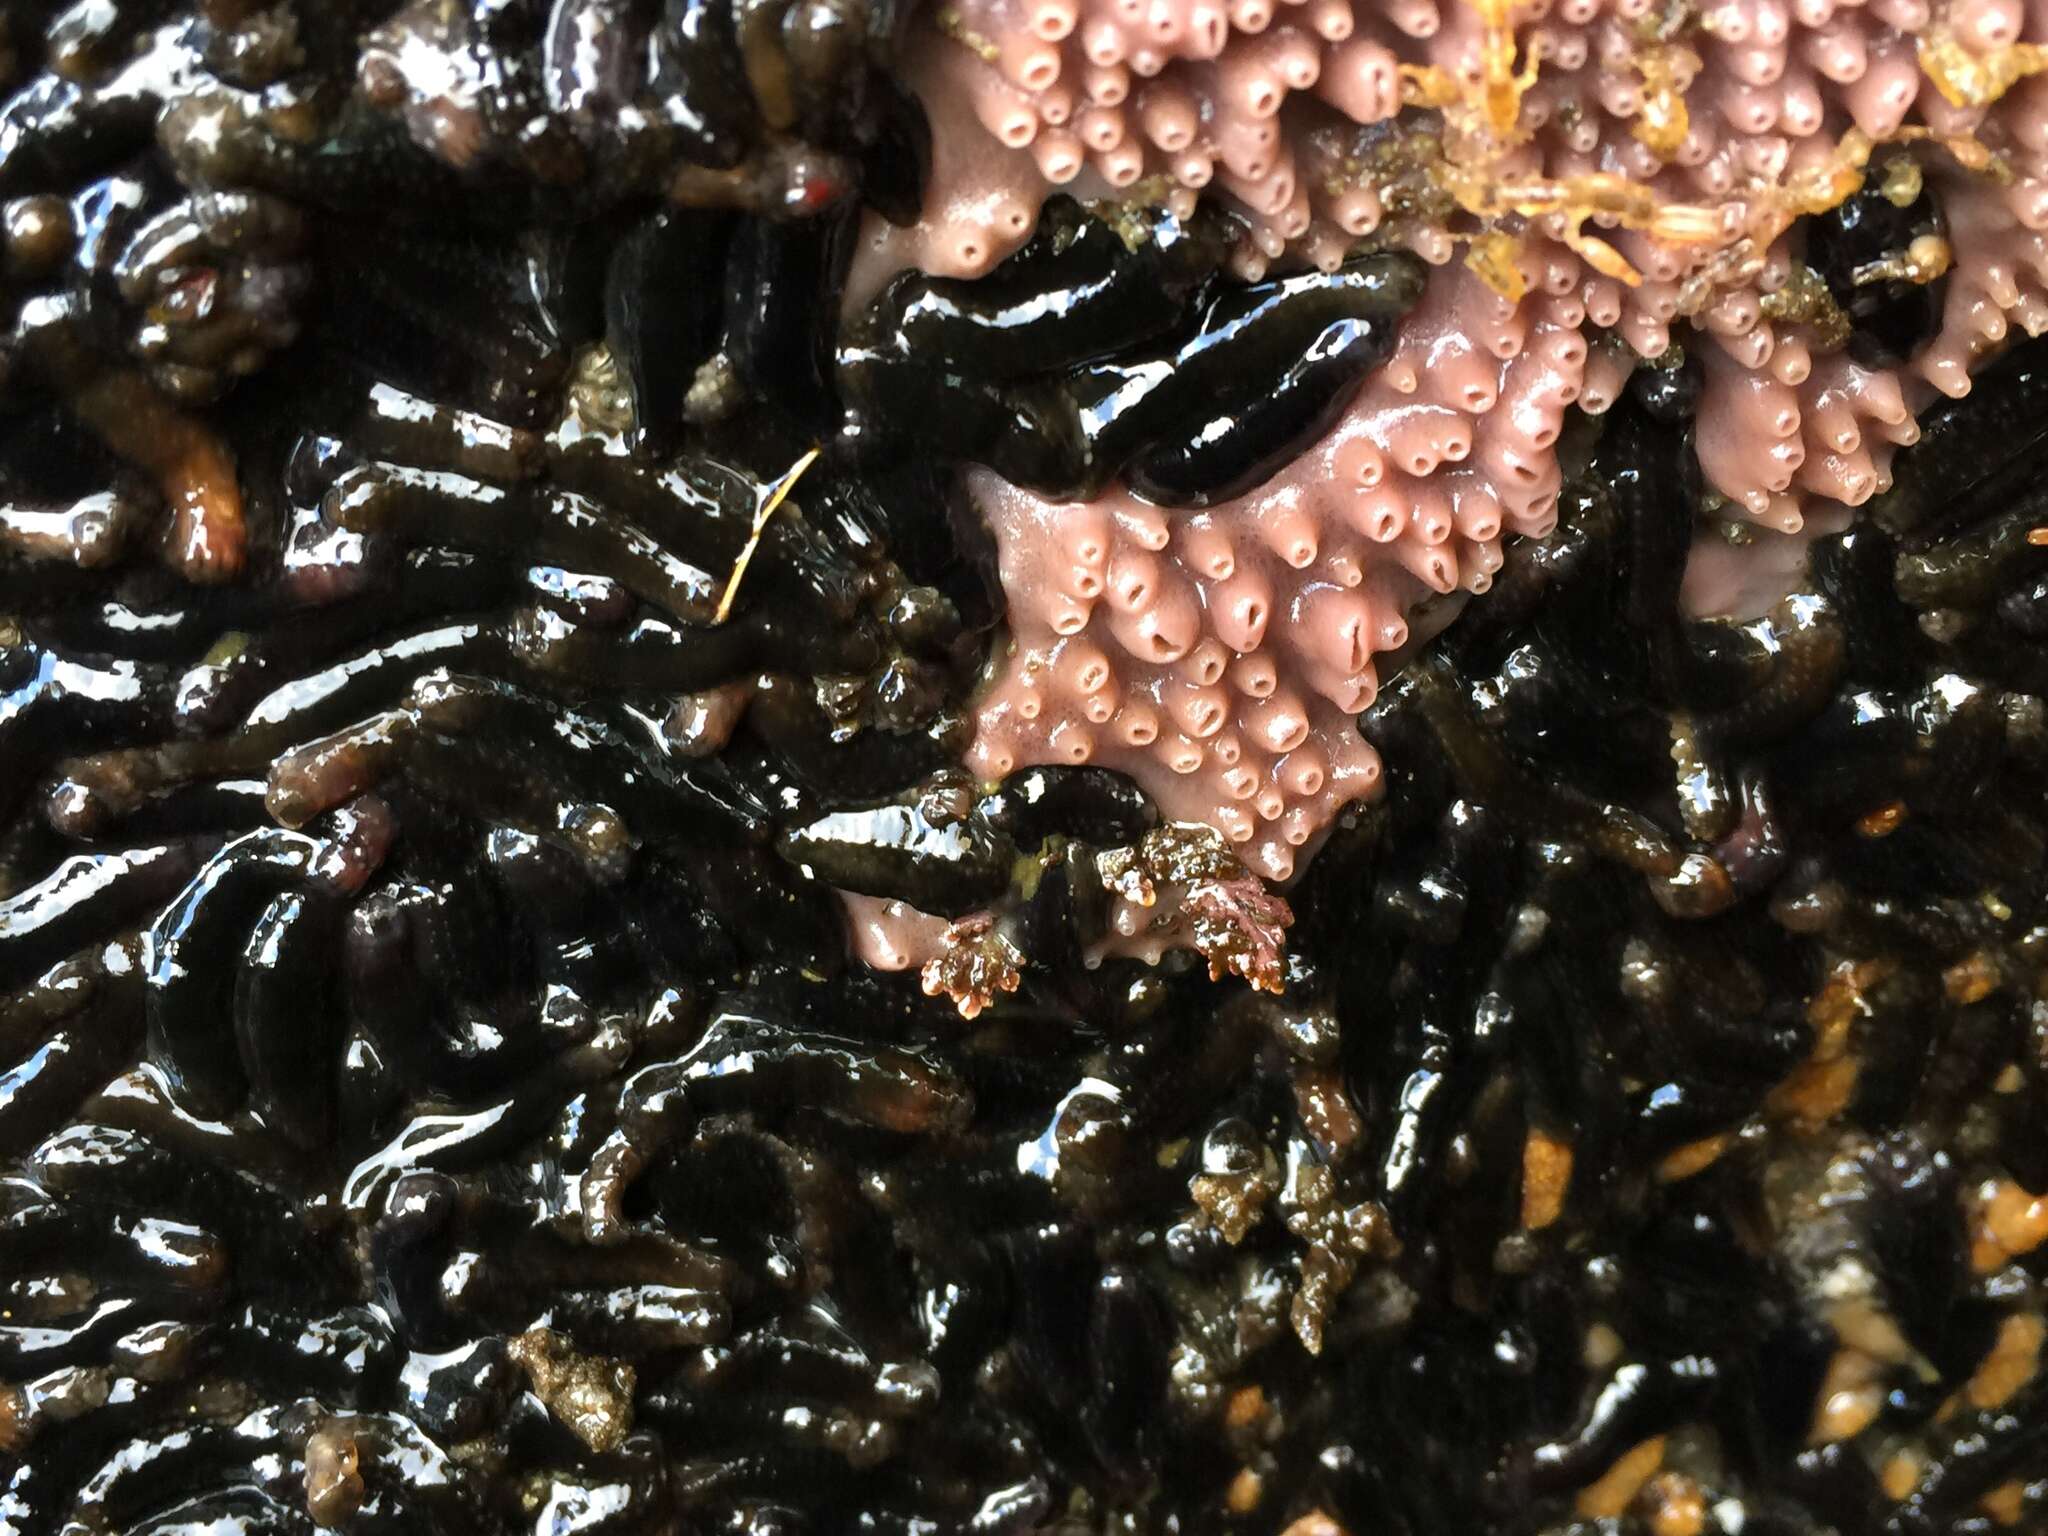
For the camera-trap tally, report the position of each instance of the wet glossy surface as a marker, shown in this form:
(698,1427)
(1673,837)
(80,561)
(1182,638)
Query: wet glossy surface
(434,1093)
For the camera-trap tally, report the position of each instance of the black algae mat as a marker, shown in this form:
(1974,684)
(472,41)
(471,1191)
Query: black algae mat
(434,1093)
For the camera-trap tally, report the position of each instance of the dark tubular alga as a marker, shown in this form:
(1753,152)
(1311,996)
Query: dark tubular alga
(433,1094)
(1083,360)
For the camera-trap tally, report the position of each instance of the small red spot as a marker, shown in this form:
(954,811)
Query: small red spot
(819,193)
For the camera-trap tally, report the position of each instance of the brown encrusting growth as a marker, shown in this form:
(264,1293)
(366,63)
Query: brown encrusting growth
(1183,885)
(590,1396)
(975,965)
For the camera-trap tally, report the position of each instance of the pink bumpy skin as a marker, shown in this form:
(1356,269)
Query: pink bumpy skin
(1597,180)
(890,936)
(1611,190)
(1651,170)
(1218,658)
